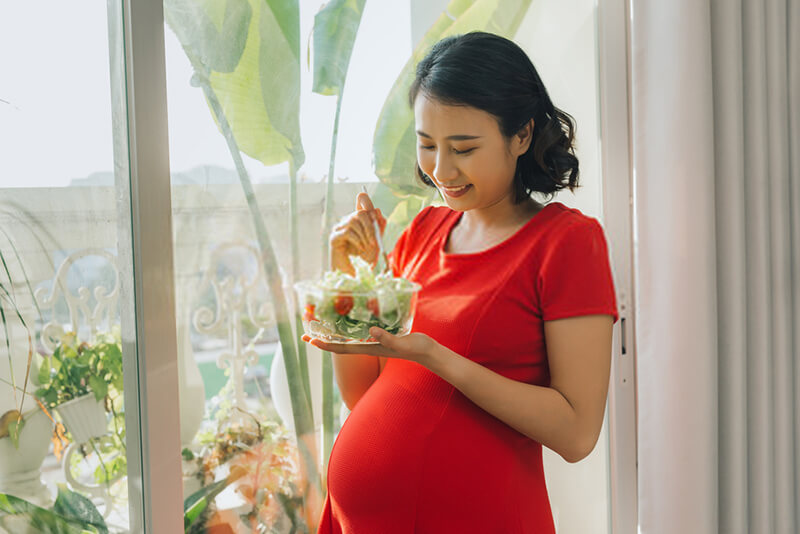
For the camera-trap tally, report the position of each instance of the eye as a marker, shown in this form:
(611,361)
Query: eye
(423,147)
(467,151)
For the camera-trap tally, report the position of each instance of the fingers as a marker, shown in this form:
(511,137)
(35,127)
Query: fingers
(385,338)
(381,220)
(355,234)
(363,221)
(355,228)
(363,202)
(347,240)
(346,348)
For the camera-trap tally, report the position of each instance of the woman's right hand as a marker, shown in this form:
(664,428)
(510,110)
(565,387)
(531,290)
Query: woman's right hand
(354,235)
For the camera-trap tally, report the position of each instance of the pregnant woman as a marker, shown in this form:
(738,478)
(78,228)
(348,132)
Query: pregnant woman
(511,344)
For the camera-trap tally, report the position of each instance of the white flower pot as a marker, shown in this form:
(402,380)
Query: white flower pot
(84,418)
(20,466)
(279,385)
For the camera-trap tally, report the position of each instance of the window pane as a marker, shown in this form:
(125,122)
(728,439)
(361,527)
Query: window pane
(234,259)
(65,269)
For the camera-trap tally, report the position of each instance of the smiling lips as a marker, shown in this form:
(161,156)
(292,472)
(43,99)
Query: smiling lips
(456,191)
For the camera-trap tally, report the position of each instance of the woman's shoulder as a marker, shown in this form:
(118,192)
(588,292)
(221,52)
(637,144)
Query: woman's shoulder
(429,221)
(432,216)
(568,221)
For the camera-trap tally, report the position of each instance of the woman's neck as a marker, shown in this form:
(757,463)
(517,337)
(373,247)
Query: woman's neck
(500,215)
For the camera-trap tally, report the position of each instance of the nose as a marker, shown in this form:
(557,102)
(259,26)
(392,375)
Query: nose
(444,171)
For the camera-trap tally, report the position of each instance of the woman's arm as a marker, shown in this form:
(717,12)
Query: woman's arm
(566,416)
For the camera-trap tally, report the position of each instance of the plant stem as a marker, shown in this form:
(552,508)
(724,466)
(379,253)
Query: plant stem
(302,356)
(327,365)
(100,459)
(300,408)
(116,428)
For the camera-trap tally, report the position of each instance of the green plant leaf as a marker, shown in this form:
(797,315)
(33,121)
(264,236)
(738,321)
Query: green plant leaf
(197,502)
(114,468)
(46,521)
(99,387)
(43,376)
(335,29)
(393,142)
(215,31)
(260,96)
(72,505)
(14,430)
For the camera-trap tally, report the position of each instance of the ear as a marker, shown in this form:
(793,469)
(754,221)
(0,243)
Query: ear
(522,139)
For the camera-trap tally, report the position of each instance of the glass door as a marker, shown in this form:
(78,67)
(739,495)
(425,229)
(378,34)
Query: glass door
(70,453)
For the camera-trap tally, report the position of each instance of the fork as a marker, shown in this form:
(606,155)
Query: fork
(378,237)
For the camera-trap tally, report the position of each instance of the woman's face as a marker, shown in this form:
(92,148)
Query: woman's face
(463,151)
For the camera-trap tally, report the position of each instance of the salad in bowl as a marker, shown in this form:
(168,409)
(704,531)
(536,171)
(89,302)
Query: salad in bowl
(341,308)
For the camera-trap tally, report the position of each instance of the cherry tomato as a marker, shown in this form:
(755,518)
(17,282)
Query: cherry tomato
(343,304)
(372,305)
(309,313)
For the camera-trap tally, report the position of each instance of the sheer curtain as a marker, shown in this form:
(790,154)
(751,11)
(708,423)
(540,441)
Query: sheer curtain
(715,89)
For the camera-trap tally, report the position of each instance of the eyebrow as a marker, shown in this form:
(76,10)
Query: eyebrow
(451,137)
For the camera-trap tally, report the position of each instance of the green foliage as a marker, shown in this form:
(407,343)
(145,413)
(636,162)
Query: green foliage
(247,54)
(70,504)
(216,32)
(71,513)
(198,502)
(14,429)
(7,299)
(335,29)
(77,369)
(9,304)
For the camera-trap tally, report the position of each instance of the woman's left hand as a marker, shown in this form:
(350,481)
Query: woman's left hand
(416,346)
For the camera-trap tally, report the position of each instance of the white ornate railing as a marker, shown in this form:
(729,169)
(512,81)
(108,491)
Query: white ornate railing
(239,294)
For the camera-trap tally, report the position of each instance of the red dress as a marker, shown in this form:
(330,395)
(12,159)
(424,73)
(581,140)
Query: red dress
(416,455)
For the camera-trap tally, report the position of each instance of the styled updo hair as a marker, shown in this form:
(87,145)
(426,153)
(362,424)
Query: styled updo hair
(493,74)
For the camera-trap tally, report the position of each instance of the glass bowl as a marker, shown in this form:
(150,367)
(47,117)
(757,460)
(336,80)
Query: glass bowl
(345,316)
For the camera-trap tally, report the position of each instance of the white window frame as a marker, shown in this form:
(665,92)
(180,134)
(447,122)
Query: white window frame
(615,105)
(155,479)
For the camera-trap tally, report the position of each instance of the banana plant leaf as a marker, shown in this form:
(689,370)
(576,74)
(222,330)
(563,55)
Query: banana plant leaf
(256,108)
(214,31)
(335,29)
(72,513)
(248,51)
(393,142)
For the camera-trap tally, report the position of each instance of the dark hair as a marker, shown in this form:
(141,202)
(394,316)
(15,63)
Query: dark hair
(493,74)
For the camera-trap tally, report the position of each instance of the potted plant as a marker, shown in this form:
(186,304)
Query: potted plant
(82,382)
(24,425)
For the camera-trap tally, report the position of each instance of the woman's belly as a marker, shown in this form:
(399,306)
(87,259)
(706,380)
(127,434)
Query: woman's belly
(415,455)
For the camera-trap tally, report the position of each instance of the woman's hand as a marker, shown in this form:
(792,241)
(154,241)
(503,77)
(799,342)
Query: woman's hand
(355,235)
(416,346)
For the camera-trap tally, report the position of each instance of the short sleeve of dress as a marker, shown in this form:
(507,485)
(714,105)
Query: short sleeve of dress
(399,256)
(576,276)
